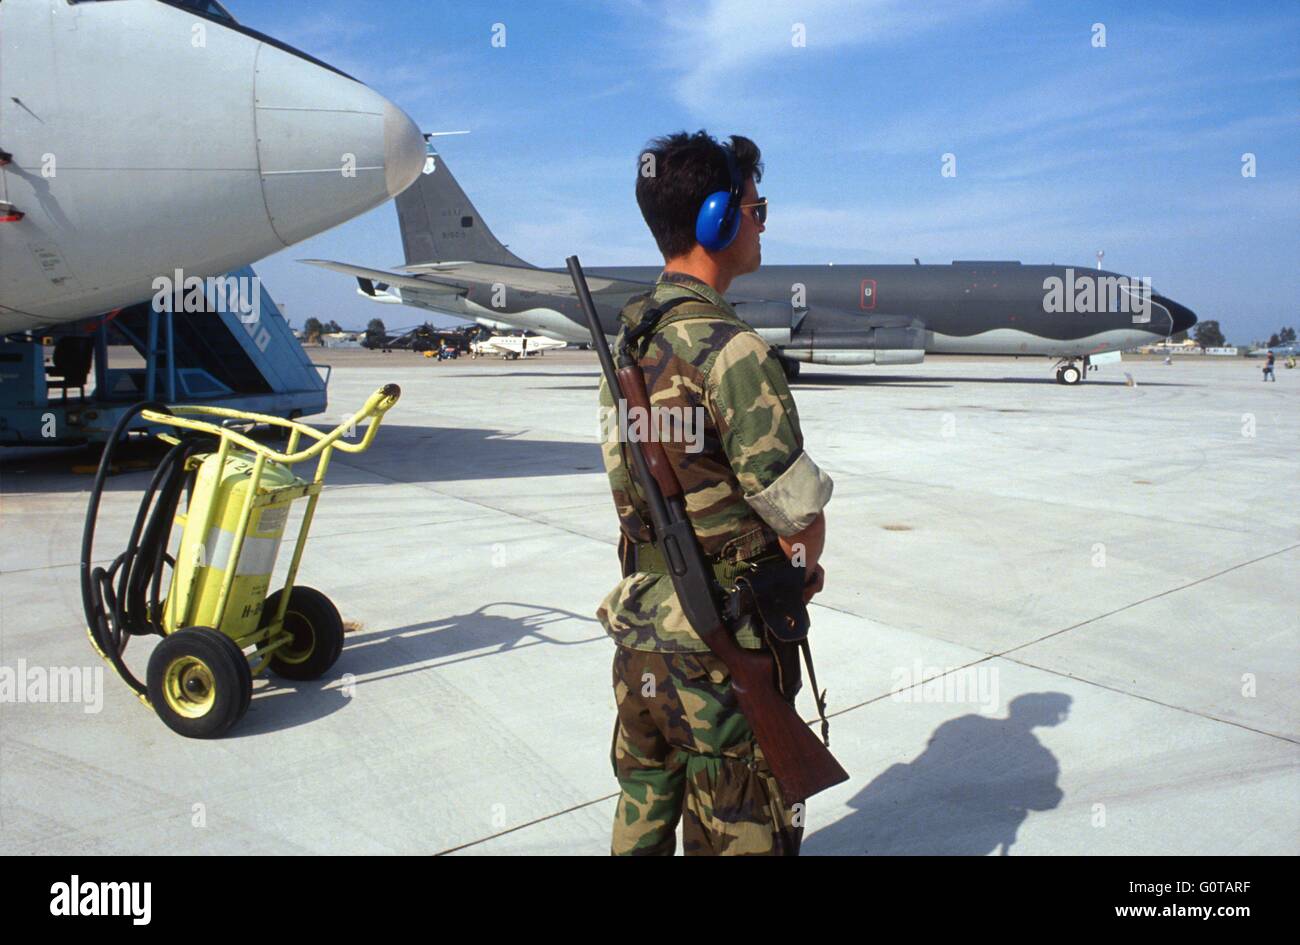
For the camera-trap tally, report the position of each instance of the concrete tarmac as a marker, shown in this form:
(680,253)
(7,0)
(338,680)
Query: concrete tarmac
(1057,620)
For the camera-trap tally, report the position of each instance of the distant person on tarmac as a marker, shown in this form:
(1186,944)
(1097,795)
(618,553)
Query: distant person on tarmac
(1268,368)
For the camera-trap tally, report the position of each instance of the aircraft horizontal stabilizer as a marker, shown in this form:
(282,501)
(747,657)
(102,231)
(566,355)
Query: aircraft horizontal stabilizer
(425,284)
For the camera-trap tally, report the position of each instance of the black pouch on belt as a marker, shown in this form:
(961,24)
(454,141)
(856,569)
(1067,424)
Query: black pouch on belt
(772,592)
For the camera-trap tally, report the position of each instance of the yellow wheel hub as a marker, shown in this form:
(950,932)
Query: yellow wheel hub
(304,639)
(189,688)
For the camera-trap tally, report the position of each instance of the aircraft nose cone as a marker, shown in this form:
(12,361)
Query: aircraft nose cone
(1182,316)
(328,147)
(404,150)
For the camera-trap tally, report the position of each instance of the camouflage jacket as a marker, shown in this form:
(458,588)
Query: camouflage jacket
(728,423)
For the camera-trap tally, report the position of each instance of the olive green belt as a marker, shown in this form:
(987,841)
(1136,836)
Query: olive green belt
(647,558)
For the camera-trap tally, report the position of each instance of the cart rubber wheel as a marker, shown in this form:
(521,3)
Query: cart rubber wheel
(238,654)
(317,632)
(196,685)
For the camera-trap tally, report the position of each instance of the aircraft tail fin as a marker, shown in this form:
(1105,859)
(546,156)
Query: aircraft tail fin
(439,224)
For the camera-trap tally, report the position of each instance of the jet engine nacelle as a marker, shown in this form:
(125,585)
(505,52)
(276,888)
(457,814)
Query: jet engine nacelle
(783,326)
(831,337)
(828,337)
(849,356)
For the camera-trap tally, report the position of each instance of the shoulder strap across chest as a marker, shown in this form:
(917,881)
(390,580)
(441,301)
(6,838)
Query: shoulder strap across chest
(654,318)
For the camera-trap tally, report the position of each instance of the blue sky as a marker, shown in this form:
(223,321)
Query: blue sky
(1062,148)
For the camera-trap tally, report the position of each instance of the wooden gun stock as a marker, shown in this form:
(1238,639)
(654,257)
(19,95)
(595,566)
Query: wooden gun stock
(631,382)
(801,764)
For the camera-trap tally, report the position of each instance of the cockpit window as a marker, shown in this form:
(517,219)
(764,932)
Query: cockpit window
(214,11)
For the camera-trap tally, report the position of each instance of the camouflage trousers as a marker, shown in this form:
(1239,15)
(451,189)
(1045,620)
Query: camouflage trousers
(683,751)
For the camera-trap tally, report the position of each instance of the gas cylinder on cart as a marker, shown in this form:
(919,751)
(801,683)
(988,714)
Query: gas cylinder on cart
(220,491)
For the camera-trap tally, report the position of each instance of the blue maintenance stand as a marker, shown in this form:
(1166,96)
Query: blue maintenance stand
(242,356)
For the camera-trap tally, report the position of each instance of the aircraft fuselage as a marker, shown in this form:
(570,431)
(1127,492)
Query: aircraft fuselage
(977,308)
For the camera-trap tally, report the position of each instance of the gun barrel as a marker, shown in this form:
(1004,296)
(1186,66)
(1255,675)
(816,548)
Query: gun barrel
(593,321)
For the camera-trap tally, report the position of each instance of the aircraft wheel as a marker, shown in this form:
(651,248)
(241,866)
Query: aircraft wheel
(1070,374)
(791,368)
(1060,375)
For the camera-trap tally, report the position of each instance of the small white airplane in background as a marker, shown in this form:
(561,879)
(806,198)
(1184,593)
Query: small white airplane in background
(514,346)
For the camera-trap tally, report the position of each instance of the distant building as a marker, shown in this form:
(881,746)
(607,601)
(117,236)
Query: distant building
(1186,346)
(341,339)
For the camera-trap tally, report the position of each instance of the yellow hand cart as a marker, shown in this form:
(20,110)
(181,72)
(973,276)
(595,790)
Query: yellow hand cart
(220,624)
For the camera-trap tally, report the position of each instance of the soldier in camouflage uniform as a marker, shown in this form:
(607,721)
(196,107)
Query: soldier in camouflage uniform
(682,750)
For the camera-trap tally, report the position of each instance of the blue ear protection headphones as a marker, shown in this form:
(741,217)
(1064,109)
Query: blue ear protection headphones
(718,221)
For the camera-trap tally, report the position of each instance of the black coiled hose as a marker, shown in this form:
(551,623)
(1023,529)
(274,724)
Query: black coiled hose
(134,606)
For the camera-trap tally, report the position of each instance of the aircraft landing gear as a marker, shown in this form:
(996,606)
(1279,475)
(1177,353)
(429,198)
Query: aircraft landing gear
(1068,371)
(791,368)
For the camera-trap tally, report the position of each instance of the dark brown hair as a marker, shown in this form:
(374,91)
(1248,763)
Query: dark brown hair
(673,184)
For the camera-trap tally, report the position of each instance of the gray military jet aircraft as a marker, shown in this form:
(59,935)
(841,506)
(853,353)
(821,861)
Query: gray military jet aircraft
(830,314)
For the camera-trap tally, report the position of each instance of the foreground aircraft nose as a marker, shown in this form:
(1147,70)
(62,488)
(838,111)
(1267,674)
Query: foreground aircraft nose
(328,147)
(404,150)
(1181,316)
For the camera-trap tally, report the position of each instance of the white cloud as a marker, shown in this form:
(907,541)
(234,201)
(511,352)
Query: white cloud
(712,50)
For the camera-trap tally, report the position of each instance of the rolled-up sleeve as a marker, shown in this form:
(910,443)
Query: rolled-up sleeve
(758,425)
(795,499)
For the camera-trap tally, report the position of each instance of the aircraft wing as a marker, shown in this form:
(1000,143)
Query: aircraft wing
(423,283)
(526,279)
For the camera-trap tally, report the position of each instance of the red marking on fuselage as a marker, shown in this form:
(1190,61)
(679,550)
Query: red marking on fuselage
(867,297)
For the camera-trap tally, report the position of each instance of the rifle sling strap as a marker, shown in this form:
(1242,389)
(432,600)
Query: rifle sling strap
(652,319)
(819,695)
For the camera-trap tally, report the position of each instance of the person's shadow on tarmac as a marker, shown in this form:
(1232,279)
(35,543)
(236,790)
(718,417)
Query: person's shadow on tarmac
(966,795)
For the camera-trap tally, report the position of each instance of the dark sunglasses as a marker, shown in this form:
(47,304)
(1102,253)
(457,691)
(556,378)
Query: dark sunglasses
(760,210)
